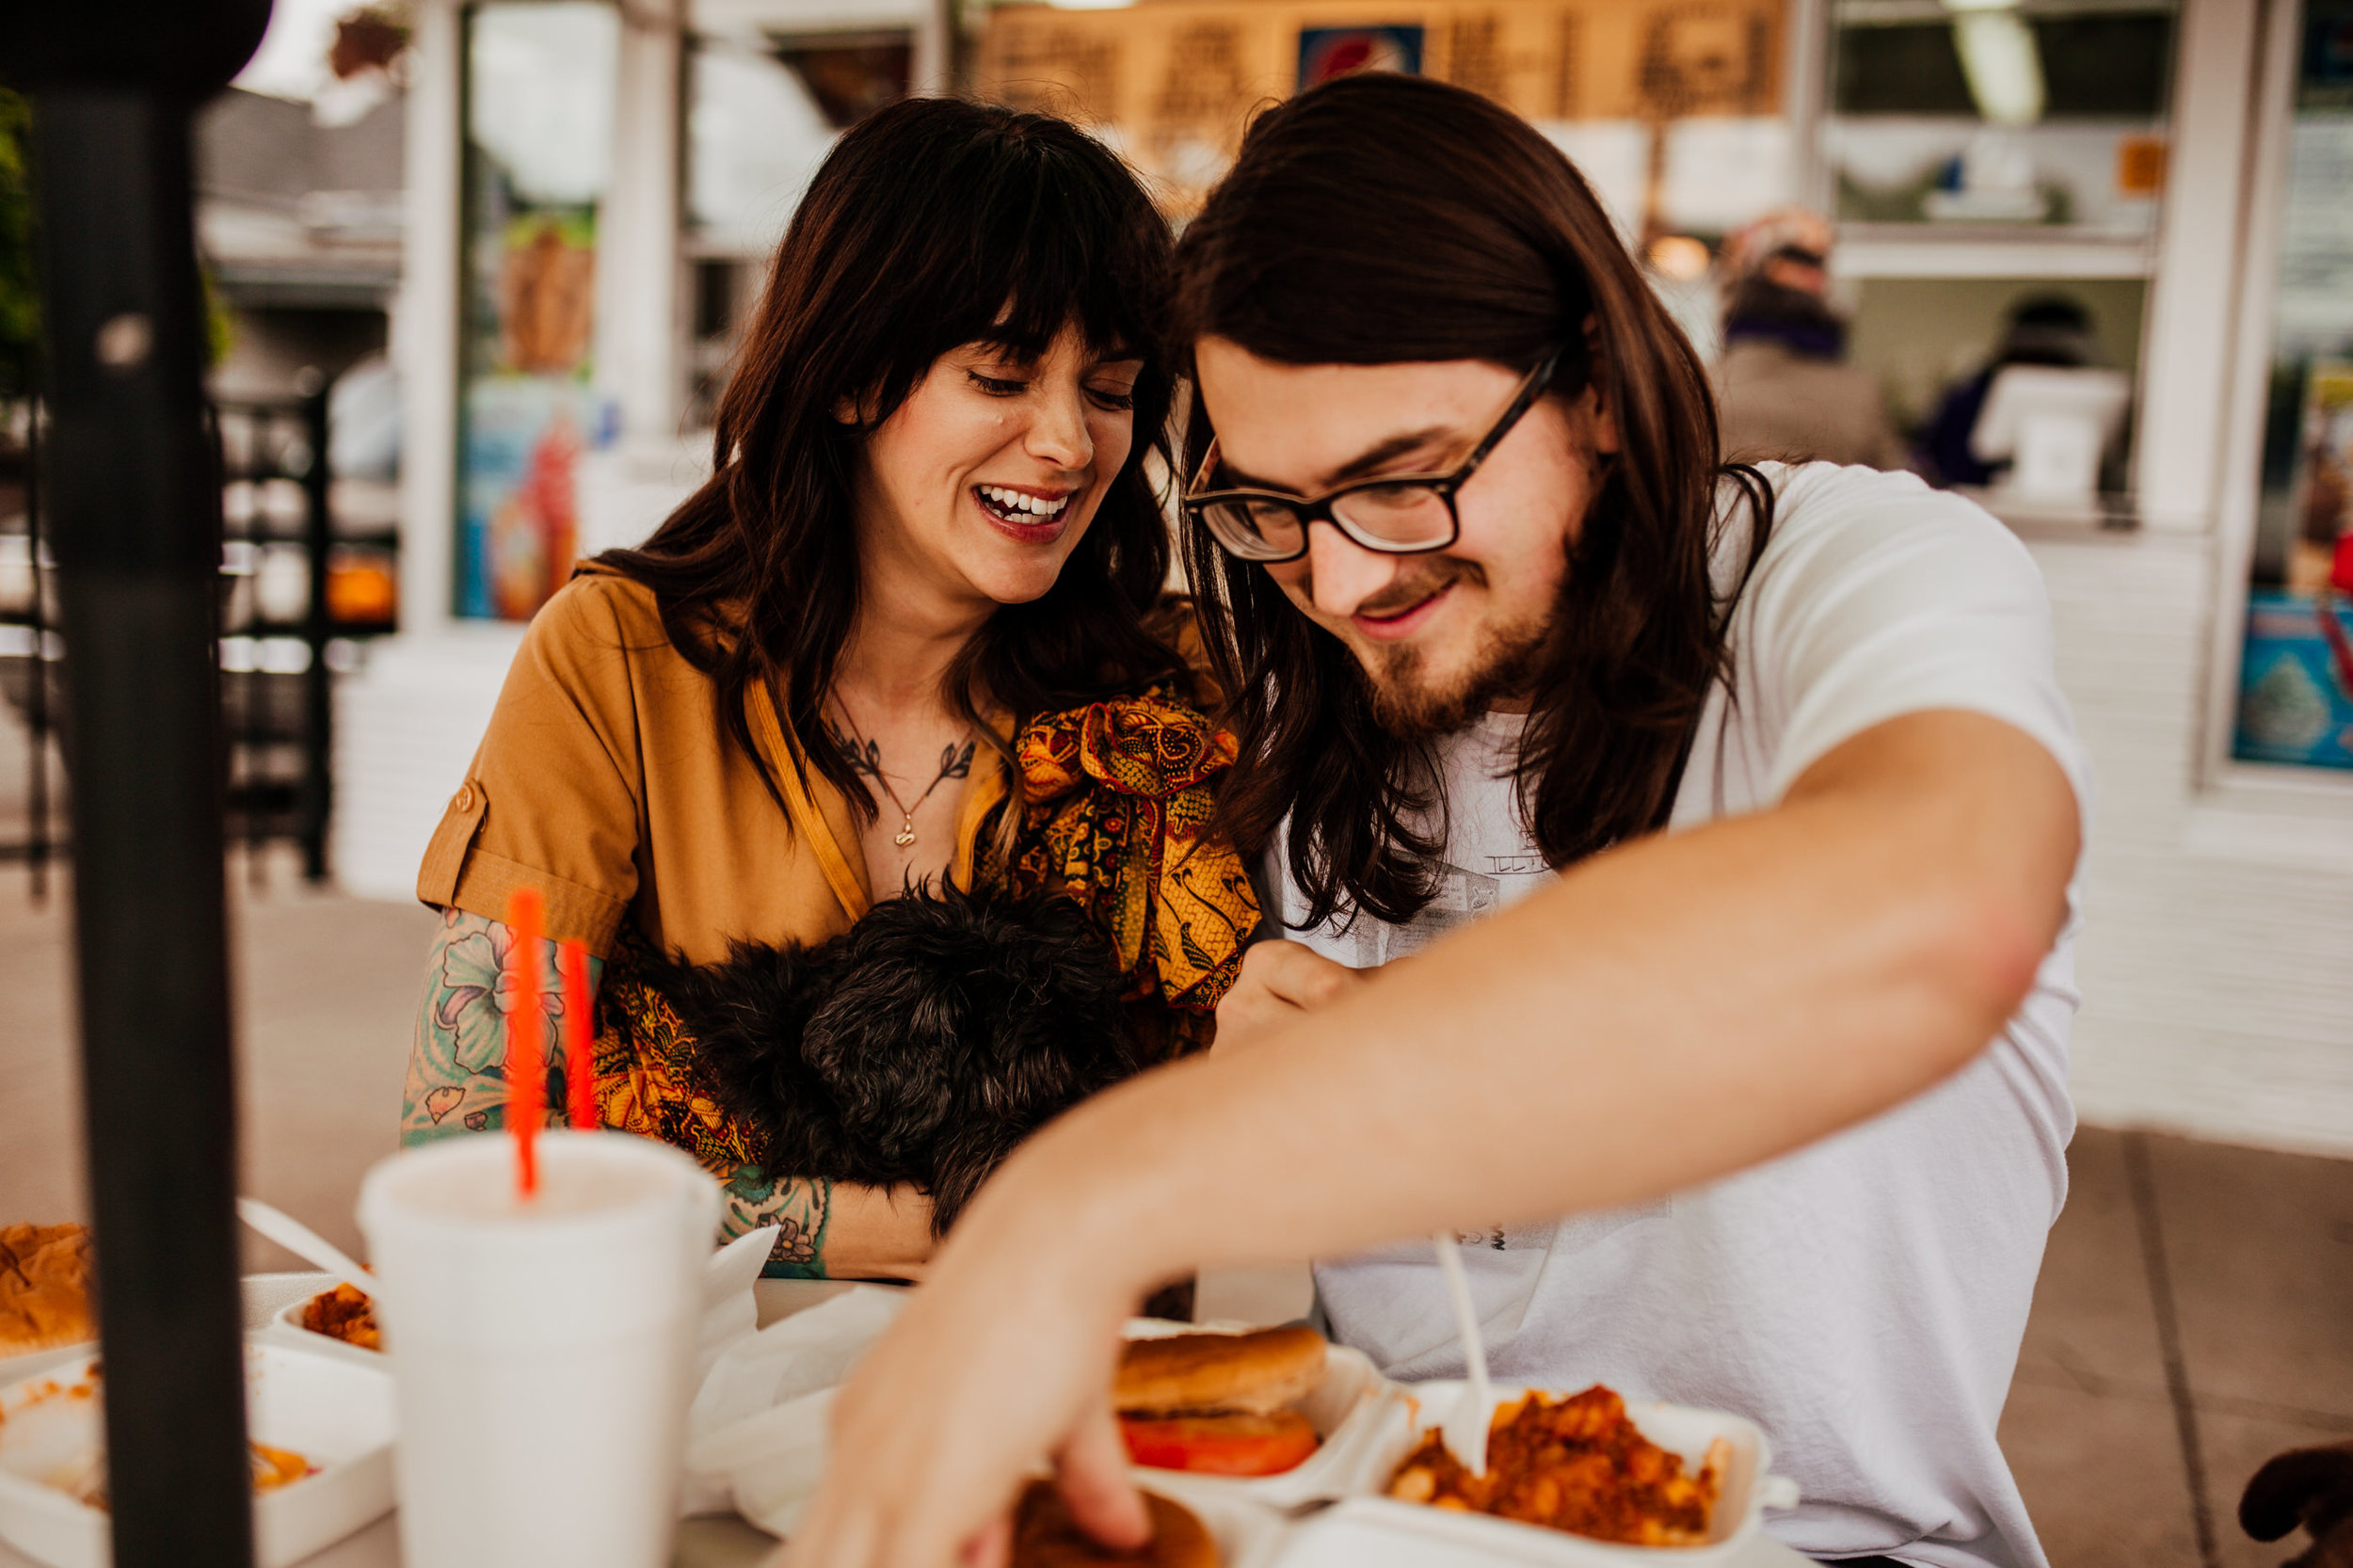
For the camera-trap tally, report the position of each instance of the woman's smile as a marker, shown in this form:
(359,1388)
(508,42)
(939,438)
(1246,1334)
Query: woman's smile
(1030,515)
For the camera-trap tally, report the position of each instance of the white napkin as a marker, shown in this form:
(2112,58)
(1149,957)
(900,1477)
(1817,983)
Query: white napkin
(729,1313)
(767,1467)
(730,1316)
(756,1433)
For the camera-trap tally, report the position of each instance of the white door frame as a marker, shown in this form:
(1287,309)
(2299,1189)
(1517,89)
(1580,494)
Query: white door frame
(2248,371)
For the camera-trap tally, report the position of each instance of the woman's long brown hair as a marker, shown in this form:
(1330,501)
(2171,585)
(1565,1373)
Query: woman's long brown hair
(1382,219)
(932,224)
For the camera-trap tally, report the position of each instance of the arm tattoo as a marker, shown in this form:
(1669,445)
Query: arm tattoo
(796,1206)
(457,1083)
(456,1058)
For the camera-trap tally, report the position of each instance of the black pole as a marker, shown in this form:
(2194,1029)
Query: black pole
(136,525)
(318,690)
(135,522)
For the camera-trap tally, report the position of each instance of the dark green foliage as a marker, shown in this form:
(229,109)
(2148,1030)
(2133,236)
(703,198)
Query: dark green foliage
(20,291)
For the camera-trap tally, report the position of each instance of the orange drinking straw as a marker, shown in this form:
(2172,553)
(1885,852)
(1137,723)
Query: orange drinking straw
(580,1037)
(526,1037)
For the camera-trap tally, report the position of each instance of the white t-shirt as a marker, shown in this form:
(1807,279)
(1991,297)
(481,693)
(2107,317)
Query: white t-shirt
(1862,1299)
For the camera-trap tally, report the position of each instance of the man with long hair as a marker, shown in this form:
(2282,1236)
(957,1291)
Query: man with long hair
(1726,815)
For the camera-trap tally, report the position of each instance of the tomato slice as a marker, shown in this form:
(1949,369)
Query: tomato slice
(1220,1445)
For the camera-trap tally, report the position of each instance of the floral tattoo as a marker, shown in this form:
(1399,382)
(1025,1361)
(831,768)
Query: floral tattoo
(457,1082)
(458,1056)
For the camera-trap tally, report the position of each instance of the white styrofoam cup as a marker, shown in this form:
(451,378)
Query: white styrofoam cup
(542,1349)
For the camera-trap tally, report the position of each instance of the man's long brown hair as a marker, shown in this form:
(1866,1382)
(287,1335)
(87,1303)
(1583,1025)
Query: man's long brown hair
(1382,219)
(932,224)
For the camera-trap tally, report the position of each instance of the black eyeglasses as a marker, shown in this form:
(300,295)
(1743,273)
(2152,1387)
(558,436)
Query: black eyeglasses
(1399,514)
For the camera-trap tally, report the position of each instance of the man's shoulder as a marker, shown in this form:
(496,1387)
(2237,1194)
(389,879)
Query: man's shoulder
(1855,547)
(1826,510)
(1819,491)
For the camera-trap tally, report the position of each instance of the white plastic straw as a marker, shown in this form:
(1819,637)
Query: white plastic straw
(1465,1428)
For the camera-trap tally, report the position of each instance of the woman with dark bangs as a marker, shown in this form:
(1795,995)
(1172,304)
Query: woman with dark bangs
(881,646)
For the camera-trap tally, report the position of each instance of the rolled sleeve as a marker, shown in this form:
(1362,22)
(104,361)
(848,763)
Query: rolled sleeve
(553,800)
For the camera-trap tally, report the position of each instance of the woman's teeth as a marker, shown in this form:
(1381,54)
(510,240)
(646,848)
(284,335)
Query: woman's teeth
(1018,506)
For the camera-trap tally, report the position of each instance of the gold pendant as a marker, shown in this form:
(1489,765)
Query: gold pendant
(906,835)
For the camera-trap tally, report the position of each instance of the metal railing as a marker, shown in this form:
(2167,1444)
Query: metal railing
(298,591)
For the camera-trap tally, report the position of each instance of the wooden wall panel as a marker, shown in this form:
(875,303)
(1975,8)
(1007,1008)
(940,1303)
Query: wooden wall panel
(1174,82)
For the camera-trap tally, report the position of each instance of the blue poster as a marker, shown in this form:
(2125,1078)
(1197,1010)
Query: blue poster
(518,498)
(2295,682)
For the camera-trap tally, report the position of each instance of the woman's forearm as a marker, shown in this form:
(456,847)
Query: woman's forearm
(1667,1014)
(457,1052)
(798,1207)
(830,1229)
(877,1233)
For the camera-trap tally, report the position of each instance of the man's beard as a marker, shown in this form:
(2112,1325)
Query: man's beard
(1408,705)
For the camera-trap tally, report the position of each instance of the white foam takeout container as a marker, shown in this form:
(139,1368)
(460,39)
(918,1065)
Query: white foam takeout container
(1355,1410)
(16,1368)
(1371,1530)
(285,1328)
(336,1415)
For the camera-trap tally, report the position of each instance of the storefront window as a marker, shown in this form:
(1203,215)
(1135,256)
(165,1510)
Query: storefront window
(2044,114)
(2296,693)
(540,79)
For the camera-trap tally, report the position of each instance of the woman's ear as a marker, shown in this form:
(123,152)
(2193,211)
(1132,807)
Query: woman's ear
(845,410)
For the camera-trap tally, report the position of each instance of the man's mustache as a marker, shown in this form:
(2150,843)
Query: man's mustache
(1422,576)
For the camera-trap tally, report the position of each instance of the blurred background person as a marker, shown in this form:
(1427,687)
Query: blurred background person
(1784,388)
(2044,329)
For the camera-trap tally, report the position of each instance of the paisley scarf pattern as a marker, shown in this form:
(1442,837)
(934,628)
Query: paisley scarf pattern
(1115,816)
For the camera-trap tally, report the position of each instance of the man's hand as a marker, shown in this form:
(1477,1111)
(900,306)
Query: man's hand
(1005,1355)
(1278,982)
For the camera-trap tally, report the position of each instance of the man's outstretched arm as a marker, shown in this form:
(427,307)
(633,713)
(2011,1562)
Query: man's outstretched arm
(1670,1011)
(1682,1008)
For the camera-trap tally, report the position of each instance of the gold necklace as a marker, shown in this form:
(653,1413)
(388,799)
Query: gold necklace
(865,759)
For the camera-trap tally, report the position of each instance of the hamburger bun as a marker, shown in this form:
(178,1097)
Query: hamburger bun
(44,1287)
(1254,1374)
(1045,1536)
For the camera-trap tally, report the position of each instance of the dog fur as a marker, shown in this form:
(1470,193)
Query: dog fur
(920,1048)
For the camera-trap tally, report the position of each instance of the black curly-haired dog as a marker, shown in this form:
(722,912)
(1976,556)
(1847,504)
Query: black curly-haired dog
(918,1047)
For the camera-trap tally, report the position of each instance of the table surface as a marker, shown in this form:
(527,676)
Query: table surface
(711,1543)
